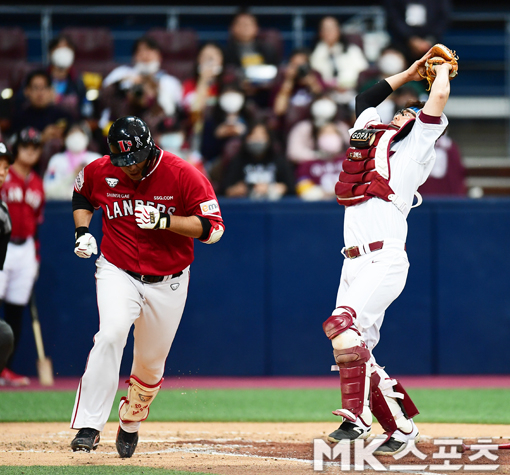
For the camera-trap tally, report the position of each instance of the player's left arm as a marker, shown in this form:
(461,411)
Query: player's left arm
(439,91)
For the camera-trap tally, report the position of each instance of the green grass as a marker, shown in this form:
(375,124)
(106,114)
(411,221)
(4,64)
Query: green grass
(264,405)
(95,470)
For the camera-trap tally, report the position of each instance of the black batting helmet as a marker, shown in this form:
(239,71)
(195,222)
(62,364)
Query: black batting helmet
(130,141)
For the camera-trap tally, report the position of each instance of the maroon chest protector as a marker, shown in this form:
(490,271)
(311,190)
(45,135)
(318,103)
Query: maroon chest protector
(366,170)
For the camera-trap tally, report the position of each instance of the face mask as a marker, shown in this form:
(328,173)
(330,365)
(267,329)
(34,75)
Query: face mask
(62,57)
(323,110)
(231,102)
(171,142)
(76,142)
(390,64)
(330,143)
(146,69)
(256,148)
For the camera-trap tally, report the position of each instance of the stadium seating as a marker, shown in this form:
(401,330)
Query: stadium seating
(179,49)
(13,52)
(93,49)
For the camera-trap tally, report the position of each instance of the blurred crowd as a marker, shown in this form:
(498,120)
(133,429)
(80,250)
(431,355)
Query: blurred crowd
(256,123)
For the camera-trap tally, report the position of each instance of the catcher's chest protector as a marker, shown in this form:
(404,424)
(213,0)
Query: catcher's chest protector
(366,170)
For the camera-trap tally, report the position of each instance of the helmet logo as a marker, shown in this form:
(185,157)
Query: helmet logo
(139,143)
(125,145)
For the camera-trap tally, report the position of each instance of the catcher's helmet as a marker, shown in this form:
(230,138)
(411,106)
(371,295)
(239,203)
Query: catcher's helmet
(130,141)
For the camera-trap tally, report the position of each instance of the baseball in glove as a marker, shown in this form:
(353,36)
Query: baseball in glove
(440,54)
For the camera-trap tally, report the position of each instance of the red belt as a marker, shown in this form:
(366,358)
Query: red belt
(353,252)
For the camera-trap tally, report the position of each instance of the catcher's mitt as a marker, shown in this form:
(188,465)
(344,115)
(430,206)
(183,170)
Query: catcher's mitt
(440,54)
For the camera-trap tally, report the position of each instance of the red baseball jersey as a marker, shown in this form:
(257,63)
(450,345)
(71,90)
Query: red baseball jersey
(25,199)
(172,186)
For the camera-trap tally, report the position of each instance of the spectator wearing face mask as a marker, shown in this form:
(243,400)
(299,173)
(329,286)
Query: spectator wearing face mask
(259,171)
(142,89)
(227,121)
(64,167)
(303,144)
(338,61)
(316,179)
(67,84)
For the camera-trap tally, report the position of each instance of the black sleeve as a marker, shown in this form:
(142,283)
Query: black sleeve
(4,241)
(206,226)
(373,96)
(80,202)
(5,232)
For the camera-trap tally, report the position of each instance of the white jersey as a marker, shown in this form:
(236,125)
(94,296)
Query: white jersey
(410,165)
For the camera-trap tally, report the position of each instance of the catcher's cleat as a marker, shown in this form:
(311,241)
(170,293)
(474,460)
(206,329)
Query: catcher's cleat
(126,443)
(397,441)
(349,432)
(86,439)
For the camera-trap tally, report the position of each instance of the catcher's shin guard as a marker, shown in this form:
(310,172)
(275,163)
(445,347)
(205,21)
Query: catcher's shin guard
(135,407)
(390,403)
(351,356)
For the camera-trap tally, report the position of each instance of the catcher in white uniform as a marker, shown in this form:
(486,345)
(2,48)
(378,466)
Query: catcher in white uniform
(384,168)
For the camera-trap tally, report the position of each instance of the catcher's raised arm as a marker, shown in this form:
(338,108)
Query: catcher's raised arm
(439,54)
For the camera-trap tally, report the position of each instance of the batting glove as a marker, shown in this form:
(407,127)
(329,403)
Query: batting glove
(148,217)
(85,244)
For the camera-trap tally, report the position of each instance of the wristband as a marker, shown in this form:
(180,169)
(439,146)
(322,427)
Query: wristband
(80,231)
(164,221)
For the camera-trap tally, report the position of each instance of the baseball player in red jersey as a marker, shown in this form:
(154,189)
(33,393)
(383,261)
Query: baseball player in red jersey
(154,204)
(384,168)
(6,334)
(24,194)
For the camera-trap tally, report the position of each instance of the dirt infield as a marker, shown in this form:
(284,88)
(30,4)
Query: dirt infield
(231,448)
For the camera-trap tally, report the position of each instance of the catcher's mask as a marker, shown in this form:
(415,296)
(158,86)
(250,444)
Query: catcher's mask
(130,141)
(413,110)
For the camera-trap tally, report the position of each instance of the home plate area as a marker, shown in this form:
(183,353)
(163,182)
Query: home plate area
(257,448)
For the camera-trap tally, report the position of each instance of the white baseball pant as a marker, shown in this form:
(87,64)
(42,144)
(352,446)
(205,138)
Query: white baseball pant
(155,310)
(20,272)
(370,283)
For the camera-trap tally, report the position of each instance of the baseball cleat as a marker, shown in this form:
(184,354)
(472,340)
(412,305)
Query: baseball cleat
(397,441)
(10,378)
(349,432)
(126,443)
(86,439)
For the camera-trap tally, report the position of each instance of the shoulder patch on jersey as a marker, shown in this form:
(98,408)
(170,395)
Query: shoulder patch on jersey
(80,179)
(210,207)
(112,182)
